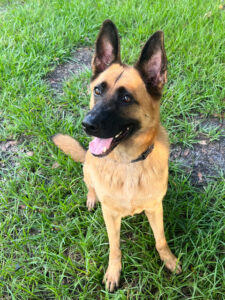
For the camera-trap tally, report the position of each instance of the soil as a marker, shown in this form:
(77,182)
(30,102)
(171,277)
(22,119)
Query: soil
(10,152)
(80,60)
(205,161)
(8,157)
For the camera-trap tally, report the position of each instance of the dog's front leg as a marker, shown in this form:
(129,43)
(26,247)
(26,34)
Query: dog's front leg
(113,222)
(91,198)
(155,218)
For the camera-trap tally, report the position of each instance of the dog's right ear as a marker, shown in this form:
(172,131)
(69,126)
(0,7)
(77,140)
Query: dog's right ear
(107,48)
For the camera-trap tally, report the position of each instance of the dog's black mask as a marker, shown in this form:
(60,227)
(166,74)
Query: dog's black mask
(105,121)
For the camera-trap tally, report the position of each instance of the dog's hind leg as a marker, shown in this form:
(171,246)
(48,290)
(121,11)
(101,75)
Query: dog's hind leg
(155,218)
(112,222)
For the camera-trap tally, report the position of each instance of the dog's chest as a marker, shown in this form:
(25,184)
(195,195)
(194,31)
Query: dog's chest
(127,188)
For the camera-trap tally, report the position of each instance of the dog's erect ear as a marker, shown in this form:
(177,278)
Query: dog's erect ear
(152,64)
(107,50)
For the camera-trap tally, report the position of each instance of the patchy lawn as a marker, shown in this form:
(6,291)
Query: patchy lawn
(51,246)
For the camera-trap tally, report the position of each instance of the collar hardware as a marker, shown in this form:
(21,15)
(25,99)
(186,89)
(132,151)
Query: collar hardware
(144,154)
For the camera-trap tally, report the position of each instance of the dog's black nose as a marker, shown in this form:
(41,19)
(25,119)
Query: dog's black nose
(90,126)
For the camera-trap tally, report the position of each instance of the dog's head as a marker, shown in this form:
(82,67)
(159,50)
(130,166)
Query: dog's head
(125,100)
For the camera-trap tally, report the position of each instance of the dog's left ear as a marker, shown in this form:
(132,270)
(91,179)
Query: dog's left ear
(152,64)
(107,48)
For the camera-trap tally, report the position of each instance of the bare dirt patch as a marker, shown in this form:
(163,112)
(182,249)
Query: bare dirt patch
(10,151)
(2,10)
(80,60)
(204,161)
(8,154)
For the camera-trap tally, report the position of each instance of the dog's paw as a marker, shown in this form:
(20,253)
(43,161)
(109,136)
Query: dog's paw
(112,277)
(173,265)
(91,199)
(90,203)
(171,262)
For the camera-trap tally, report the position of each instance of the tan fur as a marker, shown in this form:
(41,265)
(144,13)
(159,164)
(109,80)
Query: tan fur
(70,146)
(126,188)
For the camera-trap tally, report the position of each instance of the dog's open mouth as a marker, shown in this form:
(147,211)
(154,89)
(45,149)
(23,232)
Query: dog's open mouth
(102,147)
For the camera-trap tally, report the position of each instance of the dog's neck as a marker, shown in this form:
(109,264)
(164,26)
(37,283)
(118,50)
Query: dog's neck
(144,154)
(132,149)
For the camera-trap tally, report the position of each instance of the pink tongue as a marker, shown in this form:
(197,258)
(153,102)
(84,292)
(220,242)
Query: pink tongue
(97,146)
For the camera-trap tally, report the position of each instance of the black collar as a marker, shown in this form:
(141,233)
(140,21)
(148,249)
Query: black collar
(144,154)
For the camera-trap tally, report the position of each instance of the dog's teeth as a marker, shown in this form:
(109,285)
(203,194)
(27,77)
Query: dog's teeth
(116,136)
(104,149)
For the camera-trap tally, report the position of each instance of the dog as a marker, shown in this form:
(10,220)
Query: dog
(126,165)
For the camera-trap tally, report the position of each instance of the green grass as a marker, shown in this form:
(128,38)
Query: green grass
(51,247)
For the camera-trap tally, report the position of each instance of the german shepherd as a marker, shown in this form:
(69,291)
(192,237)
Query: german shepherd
(126,165)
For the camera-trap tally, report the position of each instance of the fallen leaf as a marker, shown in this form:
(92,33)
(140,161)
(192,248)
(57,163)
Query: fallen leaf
(186,152)
(55,165)
(8,144)
(176,154)
(219,115)
(200,177)
(204,150)
(3,148)
(208,14)
(203,142)
(174,183)
(11,143)
(30,153)
(22,206)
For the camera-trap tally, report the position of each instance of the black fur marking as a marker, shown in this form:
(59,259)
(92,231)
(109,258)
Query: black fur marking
(106,119)
(118,77)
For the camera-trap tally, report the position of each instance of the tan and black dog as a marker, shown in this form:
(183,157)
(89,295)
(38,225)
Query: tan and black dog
(126,165)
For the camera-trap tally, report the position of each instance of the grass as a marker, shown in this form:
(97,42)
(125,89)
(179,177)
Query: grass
(51,247)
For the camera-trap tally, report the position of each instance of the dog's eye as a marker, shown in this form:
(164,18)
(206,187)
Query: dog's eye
(126,99)
(97,91)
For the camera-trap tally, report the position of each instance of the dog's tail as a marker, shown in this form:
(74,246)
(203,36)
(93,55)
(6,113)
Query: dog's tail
(69,146)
